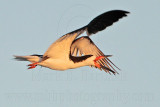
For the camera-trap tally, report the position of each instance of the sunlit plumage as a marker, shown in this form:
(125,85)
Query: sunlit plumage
(70,52)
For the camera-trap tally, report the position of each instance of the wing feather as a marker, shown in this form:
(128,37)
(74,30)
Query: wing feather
(104,20)
(86,46)
(61,48)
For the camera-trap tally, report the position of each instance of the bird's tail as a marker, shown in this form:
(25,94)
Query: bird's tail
(31,58)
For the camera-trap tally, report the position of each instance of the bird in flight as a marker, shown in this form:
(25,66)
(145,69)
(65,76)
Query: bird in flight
(69,51)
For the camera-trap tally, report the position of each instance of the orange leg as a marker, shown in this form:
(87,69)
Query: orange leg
(97,65)
(33,65)
(96,59)
(106,69)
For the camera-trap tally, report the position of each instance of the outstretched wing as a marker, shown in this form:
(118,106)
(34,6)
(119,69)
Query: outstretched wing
(104,20)
(61,47)
(85,46)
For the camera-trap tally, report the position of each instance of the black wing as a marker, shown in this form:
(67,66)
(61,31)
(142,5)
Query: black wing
(102,21)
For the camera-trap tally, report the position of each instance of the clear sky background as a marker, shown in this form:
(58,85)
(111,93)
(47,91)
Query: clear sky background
(30,26)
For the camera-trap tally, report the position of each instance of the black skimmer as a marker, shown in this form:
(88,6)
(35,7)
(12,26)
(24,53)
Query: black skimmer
(70,52)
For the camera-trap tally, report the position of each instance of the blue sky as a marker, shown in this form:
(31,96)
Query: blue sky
(30,26)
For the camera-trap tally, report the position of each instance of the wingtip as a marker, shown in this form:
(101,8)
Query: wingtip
(124,11)
(108,70)
(108,55)
(128,12)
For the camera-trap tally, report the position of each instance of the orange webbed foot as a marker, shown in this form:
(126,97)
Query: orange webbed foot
(33,65)
(97,65)
(96,59)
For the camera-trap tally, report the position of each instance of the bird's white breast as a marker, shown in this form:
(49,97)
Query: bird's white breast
(61,64)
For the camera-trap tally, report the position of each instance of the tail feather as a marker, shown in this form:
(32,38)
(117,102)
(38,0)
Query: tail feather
(30,58)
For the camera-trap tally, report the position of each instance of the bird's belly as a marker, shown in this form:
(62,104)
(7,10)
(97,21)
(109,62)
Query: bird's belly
(60,64)
(57,64)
